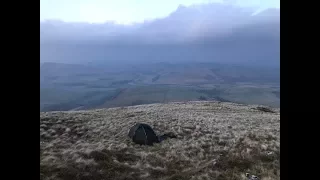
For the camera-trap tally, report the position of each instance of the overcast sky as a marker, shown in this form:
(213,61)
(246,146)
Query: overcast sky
(126,11)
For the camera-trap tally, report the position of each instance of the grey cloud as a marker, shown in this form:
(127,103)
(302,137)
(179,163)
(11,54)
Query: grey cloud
(207,32)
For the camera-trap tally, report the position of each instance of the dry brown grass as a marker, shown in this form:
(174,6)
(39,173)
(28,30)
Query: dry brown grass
(215,141)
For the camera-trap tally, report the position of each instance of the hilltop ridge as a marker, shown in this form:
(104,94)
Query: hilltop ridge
(215,141)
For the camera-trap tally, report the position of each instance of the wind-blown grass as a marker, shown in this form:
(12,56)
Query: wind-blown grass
(215,141)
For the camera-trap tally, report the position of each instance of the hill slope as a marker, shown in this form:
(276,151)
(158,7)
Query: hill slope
(215,141)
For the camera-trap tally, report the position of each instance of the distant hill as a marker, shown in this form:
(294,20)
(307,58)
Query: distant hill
(214,141)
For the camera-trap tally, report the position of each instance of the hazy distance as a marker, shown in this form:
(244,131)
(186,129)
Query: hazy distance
(227,51)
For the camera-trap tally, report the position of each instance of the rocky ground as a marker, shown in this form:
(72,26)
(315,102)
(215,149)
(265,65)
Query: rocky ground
(215,141)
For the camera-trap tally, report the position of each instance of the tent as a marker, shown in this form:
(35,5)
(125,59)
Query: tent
(143,134)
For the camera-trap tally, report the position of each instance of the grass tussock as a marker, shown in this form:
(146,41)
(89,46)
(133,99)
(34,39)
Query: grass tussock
(214,141)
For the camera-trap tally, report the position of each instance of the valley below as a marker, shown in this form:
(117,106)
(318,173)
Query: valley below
(77,87)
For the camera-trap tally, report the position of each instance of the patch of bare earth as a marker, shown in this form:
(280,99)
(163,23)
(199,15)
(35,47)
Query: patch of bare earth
(215,141)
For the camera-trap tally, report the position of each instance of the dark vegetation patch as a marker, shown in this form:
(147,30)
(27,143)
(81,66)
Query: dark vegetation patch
(130,115)
(265,109)
(213,94)
(155,78)
(202,98)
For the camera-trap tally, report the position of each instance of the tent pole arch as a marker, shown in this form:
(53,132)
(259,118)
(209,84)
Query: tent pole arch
(146,139)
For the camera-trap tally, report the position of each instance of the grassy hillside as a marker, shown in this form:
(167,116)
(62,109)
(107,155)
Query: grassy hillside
(215,141)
